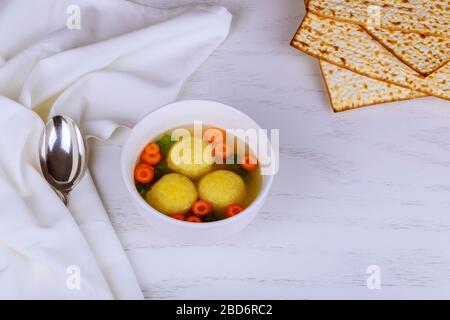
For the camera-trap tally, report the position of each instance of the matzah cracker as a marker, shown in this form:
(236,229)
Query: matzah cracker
(348,90)
(428,17)
(424,54)
(348,45)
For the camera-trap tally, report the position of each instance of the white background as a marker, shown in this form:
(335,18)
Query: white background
(368,186)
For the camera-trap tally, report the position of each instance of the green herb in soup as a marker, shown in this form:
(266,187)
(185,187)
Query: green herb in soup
(165,142)
(193,180)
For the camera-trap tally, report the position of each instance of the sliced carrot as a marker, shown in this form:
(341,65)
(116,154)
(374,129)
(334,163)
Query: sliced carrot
(193,219)
(144,173)
(178,216)
(249,163)
(214,135)
(151,159)
(222,151)
(152,149)
(201,208)
(232,210)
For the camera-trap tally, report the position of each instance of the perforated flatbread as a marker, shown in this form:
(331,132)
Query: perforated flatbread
(348,90)
(424,54)
(349,46)
(427,17)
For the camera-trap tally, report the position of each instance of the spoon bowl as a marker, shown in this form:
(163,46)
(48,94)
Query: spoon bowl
(62,155)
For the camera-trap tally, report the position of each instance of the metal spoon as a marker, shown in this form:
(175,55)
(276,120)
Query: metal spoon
(62,155)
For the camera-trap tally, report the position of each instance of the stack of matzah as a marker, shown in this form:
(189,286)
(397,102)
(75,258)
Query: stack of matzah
(374,51)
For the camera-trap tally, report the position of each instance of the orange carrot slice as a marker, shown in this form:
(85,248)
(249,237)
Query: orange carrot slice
(193,219)
(144,173)
(222,151)
(214,135)
(152,149)
(232,210)
(249,163)
(178,216)
(201,208)
(151,159)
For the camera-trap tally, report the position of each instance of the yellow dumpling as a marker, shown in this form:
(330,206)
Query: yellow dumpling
(222,188)
(191,157)
(173,193)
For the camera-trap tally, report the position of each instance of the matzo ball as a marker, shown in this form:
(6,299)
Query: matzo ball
(173,193)
(196,163)
(222,188)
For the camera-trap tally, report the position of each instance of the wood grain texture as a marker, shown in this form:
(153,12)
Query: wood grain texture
(371,186)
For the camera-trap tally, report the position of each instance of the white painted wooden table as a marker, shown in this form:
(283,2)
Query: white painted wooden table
(359,188)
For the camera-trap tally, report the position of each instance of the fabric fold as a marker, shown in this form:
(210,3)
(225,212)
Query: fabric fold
(105,75)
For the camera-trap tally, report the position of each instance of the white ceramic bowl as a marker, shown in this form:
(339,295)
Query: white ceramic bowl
(170,117)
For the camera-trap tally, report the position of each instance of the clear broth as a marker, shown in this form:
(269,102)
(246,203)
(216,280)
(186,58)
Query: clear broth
(252,179)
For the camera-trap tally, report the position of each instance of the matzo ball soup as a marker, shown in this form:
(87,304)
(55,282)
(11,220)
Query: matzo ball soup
(198,179)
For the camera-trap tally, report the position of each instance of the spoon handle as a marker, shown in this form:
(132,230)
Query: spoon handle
(62,196)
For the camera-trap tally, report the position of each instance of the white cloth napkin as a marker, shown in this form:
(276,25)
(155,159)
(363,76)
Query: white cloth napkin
(124,61)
